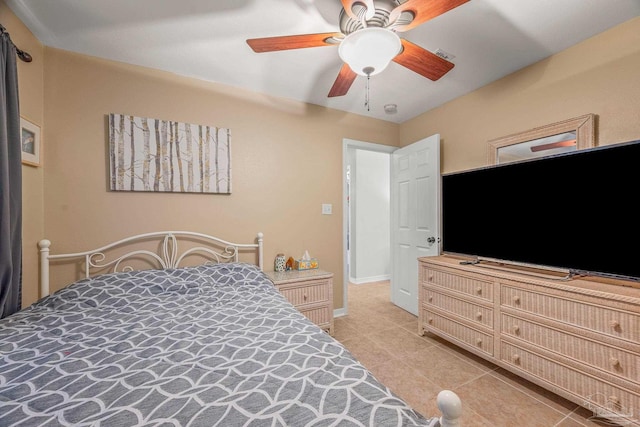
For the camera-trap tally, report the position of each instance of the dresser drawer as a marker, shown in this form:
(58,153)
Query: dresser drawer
(591,391)
(458,282)
(309,292)
(456,331)
(615,361)
(473,312)
(321,316)
(608,321)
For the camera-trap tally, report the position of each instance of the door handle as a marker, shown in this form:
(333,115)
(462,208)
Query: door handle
(431,240)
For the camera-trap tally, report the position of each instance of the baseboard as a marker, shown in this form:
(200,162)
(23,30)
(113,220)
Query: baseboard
(371,279)
(339,312)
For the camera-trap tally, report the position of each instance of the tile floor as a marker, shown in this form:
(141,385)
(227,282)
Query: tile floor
(384,338)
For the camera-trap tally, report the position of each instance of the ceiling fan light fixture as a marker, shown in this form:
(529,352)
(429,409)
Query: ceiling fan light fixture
(370,50)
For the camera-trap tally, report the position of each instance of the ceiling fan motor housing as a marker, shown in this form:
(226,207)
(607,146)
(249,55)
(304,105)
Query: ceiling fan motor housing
(379,19)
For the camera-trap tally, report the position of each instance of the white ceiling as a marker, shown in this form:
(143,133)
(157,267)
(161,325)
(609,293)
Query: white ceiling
(205,39)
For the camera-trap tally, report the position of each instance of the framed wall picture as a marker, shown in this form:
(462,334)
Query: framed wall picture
(147,154)
(30,141)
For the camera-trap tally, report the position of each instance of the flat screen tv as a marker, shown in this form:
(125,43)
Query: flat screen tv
(576,212)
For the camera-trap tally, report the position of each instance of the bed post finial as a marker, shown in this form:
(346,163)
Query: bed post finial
(44,267)
(260,255)
(451,407)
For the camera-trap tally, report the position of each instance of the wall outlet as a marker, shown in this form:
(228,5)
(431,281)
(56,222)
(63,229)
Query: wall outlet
(327,209)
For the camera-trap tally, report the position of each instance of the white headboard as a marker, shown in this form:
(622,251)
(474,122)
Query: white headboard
(165,253)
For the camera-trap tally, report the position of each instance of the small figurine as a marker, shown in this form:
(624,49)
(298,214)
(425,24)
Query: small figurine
(290,263)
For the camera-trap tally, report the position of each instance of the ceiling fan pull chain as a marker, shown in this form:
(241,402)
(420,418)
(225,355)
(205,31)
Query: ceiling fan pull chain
(366,95)
(368,71)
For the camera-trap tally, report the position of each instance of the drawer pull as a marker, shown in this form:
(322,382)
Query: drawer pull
(430,277)
(614,361)
(614,324)
(516,359)
(431,320)
(479,315)
(304,297)
(430,298)
(516,329)
(479,290)
(516,299)
(479,341)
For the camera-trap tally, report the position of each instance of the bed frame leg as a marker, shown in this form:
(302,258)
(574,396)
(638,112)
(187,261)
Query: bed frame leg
(451,407)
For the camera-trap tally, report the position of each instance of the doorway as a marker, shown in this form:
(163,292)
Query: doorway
(414,214)
(369,225)
(356,266)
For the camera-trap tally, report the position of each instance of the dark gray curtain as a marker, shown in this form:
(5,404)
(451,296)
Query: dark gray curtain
(10,181)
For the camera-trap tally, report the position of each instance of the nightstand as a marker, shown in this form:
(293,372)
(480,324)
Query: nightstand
(310,291)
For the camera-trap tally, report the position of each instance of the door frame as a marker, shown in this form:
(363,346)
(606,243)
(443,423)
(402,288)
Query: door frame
(346,145)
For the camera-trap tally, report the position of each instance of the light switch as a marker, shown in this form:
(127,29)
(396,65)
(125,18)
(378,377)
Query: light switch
(327,209)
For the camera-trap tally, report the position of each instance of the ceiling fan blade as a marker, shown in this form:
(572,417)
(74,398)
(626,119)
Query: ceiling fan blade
(422,61)
(343,82)
(270,44)
(348,8)
(422,11)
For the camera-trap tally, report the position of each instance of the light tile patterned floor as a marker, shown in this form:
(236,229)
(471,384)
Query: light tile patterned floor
(384,338)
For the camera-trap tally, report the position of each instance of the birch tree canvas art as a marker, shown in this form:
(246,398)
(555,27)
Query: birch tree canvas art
(166,156)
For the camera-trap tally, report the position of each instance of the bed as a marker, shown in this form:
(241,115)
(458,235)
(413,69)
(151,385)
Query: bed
(212,343)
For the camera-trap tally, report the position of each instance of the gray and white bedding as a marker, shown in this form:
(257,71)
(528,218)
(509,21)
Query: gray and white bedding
(210,345)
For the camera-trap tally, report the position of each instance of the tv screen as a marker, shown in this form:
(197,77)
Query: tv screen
(575,211)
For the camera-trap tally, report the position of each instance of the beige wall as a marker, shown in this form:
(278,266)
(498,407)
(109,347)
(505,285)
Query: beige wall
(286,162)
(600,76)
(30,87)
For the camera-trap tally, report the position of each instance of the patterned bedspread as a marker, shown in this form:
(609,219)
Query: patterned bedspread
(198,346)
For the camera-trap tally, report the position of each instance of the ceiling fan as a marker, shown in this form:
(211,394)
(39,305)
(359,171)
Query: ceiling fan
(368,39)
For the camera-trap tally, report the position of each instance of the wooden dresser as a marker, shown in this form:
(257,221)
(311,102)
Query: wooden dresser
(578,338)
(310,291)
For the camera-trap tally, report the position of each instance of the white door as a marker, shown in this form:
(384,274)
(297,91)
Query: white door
(415,216)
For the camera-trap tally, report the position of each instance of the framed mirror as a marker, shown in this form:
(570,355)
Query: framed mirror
(568,135)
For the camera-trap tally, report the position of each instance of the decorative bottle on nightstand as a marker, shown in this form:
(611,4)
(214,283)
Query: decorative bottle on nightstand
(279,263)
